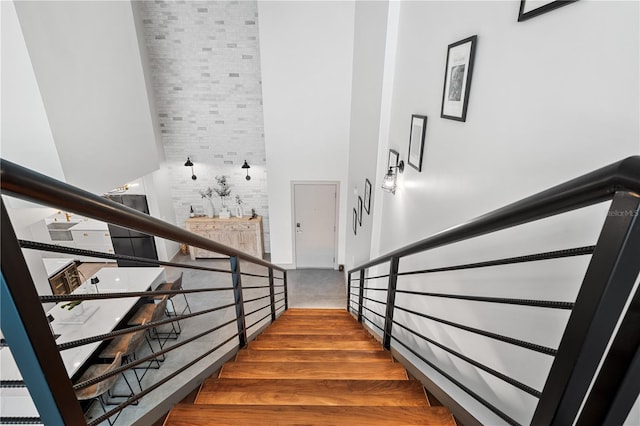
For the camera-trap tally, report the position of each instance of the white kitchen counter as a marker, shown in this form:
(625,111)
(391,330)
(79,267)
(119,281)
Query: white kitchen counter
(56,264)
(90,225)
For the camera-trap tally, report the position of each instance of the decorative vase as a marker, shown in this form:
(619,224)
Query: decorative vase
(209,210)
(239,210)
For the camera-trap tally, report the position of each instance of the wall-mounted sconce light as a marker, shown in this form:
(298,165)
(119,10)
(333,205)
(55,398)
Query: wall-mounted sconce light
(389,181)
(190,164)
(246,166)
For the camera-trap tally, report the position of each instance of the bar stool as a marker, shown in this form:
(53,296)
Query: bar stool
(97,391)
(153,312)
(175,285)
(127,345)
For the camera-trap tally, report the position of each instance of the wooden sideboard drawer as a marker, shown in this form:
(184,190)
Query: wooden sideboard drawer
(242,234)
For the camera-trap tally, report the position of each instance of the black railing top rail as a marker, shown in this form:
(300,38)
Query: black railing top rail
(583,191)
(27,184)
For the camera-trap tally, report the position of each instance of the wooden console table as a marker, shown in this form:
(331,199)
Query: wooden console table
(242,234)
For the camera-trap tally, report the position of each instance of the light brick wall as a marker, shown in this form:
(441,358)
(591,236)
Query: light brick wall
(205,65)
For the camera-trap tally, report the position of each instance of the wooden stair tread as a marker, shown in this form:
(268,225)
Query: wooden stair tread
(315,331)
(330,338)
(365,356)
(312,392)
(314,345)
(313,370)
(196,415)
(315,311)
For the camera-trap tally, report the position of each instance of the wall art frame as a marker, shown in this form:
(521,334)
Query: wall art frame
(392,160)
(457,78)
(367,196)
(530,9)
(355,222)
(416,141)
(359,210)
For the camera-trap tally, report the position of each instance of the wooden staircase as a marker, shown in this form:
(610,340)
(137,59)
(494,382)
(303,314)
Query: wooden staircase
(311,366)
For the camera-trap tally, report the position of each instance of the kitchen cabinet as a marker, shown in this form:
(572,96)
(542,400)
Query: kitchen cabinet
(66,280)
(244,234)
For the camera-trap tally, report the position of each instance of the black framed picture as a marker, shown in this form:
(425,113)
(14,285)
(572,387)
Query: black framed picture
(532,8)
(457,79)
(367,196)
(416,141)
(355,222)
(359,210)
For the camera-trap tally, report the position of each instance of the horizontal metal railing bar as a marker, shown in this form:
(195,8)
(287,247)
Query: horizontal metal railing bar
(377,289)
(260,320)
(12,420)
(373,323)
(525,388)
(29,185)
(281,306)
(589,189)
(34,245)
(256,310)
(372,311)
(483,401)
(523,344)
(116,333)
(5,384)
(150,357)
(374,300)
(123,295)
(523,302)
(558,254)
(257,298)
(244,287)
(153,387)
(375,277)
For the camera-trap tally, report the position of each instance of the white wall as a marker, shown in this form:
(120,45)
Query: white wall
(25,136)
(370,36)
(306,50)
(551,98)
(87,62)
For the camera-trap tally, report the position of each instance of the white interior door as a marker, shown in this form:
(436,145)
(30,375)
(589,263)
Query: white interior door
(315,224)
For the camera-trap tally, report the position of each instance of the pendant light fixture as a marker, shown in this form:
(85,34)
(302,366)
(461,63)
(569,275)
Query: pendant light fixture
(188,163)
(246,166)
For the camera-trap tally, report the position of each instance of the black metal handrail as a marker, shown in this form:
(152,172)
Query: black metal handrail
(606,287)
(34,331)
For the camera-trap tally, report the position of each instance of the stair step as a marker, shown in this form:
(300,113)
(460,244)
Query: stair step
(314,330)
(313,342)
(305,312)
(196,415)
(312,392)
(313,370)
(374,356)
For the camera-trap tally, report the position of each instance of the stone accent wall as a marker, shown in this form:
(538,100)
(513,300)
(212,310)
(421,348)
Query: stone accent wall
(205,65)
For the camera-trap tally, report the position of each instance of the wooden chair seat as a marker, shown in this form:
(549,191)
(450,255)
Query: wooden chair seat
(102,387)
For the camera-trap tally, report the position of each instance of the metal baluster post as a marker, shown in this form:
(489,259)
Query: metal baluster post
(286,291)
(349,292)
(239,301)
(26,329)
(605,289)
(391,302)
(361,295)
(272,295)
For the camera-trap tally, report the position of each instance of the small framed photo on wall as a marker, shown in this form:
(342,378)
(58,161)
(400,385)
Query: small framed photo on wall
(355,222)
(532,8)
(416,141)
(457,79)
(359,210)
(367,196)
(394,157)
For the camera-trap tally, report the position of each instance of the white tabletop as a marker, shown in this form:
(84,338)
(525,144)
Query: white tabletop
(56,264)
(103,320)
